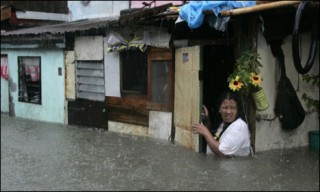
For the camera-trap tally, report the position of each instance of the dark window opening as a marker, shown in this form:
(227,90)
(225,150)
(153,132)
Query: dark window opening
(29,71)
(134,72)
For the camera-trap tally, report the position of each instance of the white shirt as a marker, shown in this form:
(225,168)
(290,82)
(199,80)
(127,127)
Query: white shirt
(235,141)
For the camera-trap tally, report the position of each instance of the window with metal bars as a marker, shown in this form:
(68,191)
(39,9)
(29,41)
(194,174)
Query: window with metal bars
(29,73)
(134,72)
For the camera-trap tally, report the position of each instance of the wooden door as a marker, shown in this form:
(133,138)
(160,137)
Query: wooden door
(188,95)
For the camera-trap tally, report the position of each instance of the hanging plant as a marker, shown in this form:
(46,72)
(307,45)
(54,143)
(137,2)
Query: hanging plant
(246,78)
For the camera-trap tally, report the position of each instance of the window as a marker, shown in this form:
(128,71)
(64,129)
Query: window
(160,82)
(146,84)
(29,71)
(133,72)
(160,79)
(90,80)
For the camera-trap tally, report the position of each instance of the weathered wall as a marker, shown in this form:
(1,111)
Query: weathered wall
(95,9)
(269,134)
(39,6)
(160,124)
(52,85)
(138,4)
(70,58)
(128,128)
(89,48)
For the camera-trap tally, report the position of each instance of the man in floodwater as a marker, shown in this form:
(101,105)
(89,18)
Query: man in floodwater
(232,137)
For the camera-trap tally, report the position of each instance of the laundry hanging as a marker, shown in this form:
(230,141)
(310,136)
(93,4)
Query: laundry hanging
(116,42)
(4,67)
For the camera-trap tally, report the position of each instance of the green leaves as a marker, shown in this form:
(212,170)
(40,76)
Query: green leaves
(314,81)
(246,64)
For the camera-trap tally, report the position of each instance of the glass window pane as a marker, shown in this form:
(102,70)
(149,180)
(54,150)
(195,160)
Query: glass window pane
(160,82)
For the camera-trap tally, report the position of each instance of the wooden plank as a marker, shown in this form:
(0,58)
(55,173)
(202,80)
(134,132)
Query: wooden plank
(257,8)
(127,114)
(131,102)
(83,112)
(5,12)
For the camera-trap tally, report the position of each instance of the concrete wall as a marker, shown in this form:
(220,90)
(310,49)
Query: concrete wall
(138,4)
(52,85)
(95,9)
(269,134)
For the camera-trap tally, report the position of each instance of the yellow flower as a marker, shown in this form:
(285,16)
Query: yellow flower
(255,79)
(235,84)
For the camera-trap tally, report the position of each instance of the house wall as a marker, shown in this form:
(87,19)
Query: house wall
(95,9)
(160,123)
(269,134)
(52,85)
(138,4)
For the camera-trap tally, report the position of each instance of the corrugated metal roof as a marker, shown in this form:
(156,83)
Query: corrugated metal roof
(66,27)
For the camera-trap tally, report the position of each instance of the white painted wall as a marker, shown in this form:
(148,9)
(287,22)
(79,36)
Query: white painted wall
(95,9)
(89,48)
(138,4)
(160,124)
(269,134)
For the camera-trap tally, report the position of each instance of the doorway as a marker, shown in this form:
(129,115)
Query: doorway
(218,61)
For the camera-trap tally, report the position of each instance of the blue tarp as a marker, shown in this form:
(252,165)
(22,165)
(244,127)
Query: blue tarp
(192,12)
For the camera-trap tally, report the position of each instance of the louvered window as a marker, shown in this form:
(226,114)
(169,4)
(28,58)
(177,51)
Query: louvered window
(90,80)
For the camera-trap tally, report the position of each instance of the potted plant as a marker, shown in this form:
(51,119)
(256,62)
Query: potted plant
(246,79)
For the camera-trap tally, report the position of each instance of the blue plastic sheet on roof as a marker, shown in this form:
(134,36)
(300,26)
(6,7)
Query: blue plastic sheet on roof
(192,12)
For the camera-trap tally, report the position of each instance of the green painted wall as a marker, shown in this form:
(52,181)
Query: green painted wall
(52,85)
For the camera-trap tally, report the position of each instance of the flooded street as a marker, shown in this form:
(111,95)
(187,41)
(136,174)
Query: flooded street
(44,156)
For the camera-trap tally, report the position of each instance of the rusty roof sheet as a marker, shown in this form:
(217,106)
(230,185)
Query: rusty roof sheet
(62,28)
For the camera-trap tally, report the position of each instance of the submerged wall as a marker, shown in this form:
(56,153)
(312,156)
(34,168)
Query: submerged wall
(269,134)
(51,108)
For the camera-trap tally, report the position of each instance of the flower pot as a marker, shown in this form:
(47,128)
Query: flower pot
(260,100)
(314,140)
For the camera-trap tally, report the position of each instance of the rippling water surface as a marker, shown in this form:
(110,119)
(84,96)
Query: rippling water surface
(46,156)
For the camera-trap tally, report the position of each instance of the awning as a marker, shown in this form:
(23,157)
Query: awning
(66,27)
